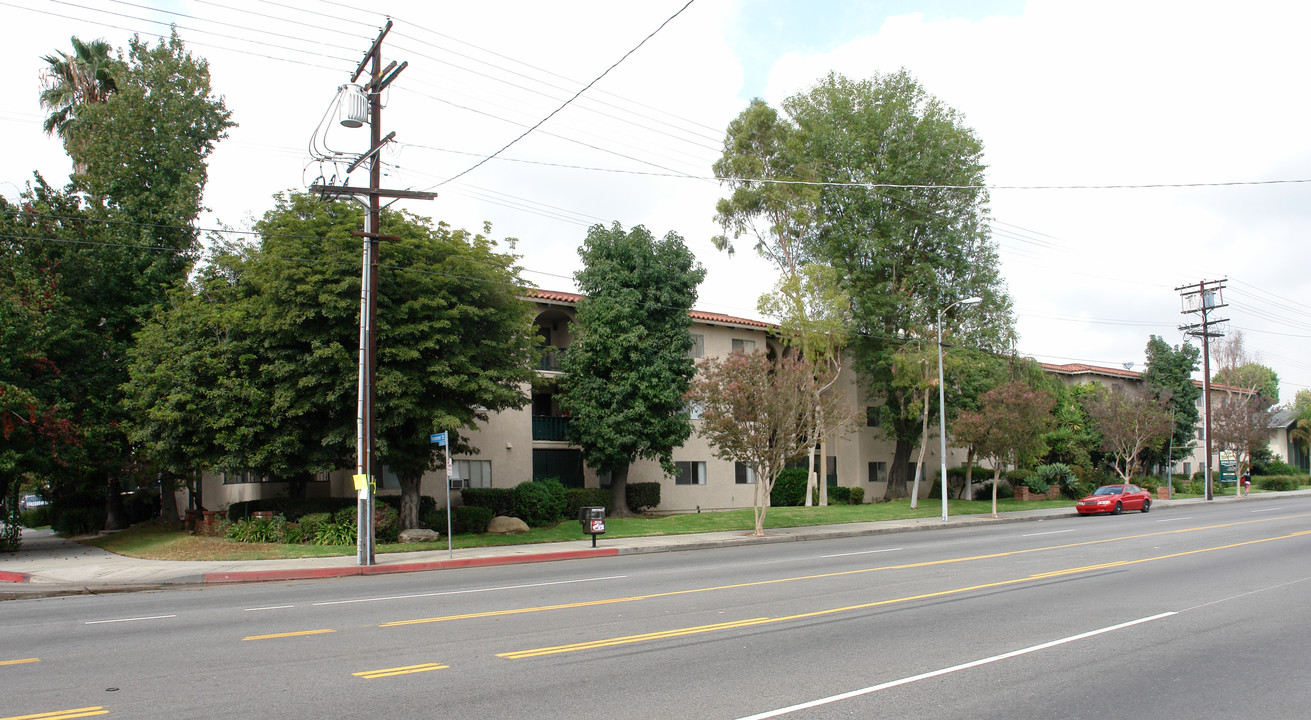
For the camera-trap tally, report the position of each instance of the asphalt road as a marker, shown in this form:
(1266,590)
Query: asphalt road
(1196,613)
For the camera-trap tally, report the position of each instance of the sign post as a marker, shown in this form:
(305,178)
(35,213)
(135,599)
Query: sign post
(440,439)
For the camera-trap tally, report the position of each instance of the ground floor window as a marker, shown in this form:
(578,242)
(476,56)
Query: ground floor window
(565,465)
(471,474)
(878,471)
(691,472)
(743,475)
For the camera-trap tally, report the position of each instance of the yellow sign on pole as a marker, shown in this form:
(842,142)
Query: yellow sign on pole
(361,481)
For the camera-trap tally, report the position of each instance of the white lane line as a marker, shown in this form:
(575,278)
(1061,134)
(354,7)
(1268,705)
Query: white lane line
(152,617)
(1267,509)
(271,607)
(954,668)
(465,592)
(1049,532)
(862,552)
(1186,517)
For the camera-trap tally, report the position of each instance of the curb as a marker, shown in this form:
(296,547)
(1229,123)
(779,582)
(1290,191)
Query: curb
(336,572)
(14,577)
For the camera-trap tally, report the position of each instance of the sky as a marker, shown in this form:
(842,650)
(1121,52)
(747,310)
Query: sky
(1132,147)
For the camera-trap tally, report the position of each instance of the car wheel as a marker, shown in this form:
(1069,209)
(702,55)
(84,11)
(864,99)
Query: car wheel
(1147,505)
(1119,508)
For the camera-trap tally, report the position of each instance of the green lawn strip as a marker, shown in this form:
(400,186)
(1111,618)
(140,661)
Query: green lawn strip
(154,540)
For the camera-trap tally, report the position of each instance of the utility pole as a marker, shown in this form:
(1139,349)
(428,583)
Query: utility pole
(1202,298)
(365,468)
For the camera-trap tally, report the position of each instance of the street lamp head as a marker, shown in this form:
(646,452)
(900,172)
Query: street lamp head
(972,300)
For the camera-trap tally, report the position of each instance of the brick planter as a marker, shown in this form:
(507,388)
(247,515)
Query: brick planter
(210,520)
(1023,493)
(1163,493)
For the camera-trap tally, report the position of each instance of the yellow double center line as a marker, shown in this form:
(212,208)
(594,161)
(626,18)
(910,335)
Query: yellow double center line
(406,670)
(62,714)
(630,639)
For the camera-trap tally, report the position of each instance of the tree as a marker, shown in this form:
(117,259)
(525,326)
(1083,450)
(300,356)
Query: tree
(758,412)
(1129,424)
(630,365)
(1169,378)
(1240,424)
(72,82)
(1238,369)
(903,254)
(453,343)
(1007,426)
(774,201)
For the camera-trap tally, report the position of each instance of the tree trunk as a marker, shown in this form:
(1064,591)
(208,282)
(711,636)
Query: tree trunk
(996,480)
(969,474)
(168,498)
(619,492)
(409,517)
(297,484)
(823,471)
(810,478)
(115,512)
(897,473)
(924,444)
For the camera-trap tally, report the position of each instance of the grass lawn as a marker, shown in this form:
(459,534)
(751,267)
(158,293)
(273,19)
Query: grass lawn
(155,540)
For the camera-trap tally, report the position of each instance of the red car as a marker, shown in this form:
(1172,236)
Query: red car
(1115,499)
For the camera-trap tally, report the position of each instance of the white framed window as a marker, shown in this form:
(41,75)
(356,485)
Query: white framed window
(698,346)
(745,347)
(690,472)
(743,475)
(471,474)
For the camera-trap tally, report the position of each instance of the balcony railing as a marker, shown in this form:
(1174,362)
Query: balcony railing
(550,358)
(550,428)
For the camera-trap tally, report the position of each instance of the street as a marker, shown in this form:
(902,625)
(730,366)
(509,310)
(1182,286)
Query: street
(1197,612)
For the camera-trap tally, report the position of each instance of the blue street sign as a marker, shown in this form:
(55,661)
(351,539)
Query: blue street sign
(439,438)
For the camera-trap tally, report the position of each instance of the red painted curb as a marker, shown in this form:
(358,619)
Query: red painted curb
(316,573)
(14,577)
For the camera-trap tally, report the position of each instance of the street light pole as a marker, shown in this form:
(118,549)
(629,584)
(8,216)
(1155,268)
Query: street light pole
(942,404)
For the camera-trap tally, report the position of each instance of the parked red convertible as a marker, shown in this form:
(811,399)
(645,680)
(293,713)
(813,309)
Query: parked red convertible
(1115,499)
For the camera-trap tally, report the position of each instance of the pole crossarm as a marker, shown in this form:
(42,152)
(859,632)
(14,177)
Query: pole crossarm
(353,191)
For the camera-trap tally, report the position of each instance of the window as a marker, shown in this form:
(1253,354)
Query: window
(878,472)
(1188,469)
(743,475)
(910,471)
(690,472)
(242,477)
(871,417)
(745,347)
(471,474)
(695,409)
(698,346)
(832,466)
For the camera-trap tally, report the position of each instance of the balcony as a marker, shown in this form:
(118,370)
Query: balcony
(550,429)
(549,358)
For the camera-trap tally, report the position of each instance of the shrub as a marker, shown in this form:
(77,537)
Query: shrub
(36,517)
(310,524)
(857,495)
(436,519)
(427,503)
(499,500)
(291,508)
(470,519)
(336,533)
(983,491)
(78,520)
(839,495)
(1277,482)
(253,530)
(789,489)
(1063,477)
(386,522)
(643,496)
(576,498)
(1027,478)
(1274,466)
(539,502)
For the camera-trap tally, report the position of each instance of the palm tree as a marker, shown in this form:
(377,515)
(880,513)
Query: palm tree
(1301,431)
(72,81)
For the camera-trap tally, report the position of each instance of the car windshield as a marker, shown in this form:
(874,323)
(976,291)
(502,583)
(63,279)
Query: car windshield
(1110,490)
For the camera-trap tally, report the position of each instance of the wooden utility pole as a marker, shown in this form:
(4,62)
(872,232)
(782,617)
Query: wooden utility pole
(1202,298)
(379,78)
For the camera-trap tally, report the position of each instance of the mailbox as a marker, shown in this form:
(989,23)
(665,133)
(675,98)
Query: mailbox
(592,520)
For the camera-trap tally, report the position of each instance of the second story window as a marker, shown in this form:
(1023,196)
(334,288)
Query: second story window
(698,346)
(745,347)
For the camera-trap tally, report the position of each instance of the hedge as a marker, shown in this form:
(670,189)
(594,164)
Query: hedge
(643,496)
(499,500)
(789,489)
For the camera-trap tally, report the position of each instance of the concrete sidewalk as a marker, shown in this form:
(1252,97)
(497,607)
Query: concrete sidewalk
(49,565)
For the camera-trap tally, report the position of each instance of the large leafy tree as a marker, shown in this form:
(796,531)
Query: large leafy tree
(139,128)
(1169,377)
(280,348)
(627,372)
(903,253)
(1238,369)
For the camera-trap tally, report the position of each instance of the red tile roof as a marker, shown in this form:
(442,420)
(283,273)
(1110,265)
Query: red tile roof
(699,315)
